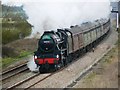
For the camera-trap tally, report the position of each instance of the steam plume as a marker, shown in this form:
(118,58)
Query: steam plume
(53,14)
(32,66)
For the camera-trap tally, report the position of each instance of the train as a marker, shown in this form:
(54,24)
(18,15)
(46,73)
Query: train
(58,48)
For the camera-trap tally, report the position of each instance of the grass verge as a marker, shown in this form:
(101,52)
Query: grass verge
(10,60)
(106,60)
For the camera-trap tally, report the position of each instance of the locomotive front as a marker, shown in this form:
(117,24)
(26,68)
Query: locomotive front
(48,52)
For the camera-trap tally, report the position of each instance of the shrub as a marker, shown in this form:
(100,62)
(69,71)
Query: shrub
(12,31)
(9,52)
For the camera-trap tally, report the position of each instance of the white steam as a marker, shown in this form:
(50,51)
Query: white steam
(32,66)
(53,14)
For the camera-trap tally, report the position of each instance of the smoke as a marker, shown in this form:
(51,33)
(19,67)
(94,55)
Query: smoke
(32,66)
(53,14)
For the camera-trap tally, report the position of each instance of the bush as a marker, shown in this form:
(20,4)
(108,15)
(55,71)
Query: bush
(9,35)
(9,52)
(14,23)
(12,31)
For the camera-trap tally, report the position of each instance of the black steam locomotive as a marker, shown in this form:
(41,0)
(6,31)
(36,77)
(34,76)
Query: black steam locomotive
(56,48)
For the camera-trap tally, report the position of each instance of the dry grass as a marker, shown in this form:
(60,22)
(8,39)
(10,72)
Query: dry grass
(105,74)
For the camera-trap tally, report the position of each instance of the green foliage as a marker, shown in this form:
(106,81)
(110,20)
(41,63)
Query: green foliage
(14,24)
(12,35)
(14,12)
(12,31)
(9,35)
(91,76)
(10,60)
(24,54)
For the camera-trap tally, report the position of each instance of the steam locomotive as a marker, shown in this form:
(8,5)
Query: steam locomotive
(57,48)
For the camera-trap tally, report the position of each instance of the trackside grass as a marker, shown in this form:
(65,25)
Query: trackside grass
(11,60)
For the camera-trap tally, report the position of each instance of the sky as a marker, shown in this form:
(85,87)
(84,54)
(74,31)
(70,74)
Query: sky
(5,1)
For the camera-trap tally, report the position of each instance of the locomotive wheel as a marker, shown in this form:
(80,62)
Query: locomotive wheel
(69,58)
(65,61)
(61,63)
(41,70)
(84,50)
(56,67)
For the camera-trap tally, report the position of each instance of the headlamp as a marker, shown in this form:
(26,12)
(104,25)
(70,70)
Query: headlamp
(57,56)
(35,57)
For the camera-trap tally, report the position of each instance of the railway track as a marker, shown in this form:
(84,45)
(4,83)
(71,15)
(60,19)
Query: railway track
(90,67)
(8,75)
(45,77)
(17,85)
(15,68)
(84,72)
(87,70)
(21,82)
(11,73)
(14,71)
